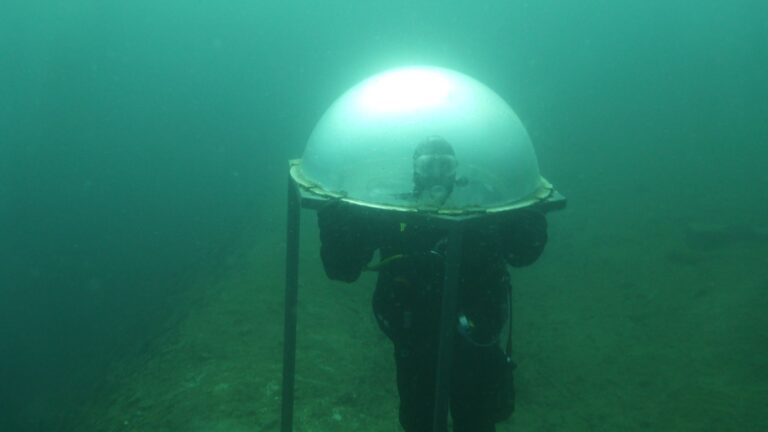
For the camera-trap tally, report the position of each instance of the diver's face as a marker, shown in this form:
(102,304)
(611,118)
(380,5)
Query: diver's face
(434,175)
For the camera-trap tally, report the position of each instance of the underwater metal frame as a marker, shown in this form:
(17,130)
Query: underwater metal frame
(301,196)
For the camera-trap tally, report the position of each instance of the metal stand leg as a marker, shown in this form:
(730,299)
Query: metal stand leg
(291,299)
(447,330)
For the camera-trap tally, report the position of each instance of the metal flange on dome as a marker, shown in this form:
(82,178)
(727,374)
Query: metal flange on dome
(414,143)
(363,148)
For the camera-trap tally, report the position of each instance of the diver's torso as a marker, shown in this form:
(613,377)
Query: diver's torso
(408,291)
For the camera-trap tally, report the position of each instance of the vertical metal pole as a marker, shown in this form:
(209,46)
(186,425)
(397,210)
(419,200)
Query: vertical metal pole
(291,300)
(447,329)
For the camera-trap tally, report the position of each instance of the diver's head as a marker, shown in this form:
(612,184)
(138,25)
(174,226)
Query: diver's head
(434,170)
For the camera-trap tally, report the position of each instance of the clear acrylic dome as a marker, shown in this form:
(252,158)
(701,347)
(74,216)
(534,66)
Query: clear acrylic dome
(362,148)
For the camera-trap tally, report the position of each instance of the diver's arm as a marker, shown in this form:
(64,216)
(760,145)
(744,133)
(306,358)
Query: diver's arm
(524,237)
(347,241)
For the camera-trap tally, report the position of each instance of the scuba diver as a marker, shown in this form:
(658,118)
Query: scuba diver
(407,298)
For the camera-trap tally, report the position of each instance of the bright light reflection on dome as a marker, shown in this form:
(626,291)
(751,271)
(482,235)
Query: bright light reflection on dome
(406,90)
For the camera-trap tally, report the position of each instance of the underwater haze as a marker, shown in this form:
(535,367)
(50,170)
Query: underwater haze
(143,168)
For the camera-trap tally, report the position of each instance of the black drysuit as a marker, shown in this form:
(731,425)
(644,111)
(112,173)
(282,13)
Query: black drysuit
(407,302)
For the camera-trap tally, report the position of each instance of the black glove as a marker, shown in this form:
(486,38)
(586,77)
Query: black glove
(347,240)
(523,237)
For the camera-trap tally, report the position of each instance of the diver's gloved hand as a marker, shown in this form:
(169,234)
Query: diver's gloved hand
(347,240)
(523,237)
(332,216)
(339,221)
